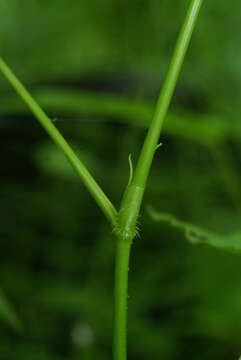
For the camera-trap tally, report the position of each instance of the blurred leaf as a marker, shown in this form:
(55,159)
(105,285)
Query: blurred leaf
(7,313)
(50,160)
(197,235)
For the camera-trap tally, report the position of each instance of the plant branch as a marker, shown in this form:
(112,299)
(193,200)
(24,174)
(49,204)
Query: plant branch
(151,141)
(89,182)
(132,198)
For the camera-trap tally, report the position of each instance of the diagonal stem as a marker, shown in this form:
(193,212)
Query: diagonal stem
(101,199)
(151,141)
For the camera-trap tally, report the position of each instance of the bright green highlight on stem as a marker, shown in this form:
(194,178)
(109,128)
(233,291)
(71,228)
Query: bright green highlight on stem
(133,197)
(91,185)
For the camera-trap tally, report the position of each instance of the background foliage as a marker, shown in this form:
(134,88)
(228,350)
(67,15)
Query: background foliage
(96,67)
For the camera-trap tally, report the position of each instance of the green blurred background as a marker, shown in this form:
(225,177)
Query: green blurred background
(97,67)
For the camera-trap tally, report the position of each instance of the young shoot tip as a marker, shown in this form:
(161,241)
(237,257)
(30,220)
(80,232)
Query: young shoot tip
(159,145)
(131,169)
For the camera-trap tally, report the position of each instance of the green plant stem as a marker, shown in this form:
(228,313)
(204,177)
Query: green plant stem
(132,199)
(151,141)
(101,199)
(121,287)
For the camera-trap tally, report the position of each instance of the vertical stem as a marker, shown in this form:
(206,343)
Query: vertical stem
(120,306)
(132,198)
